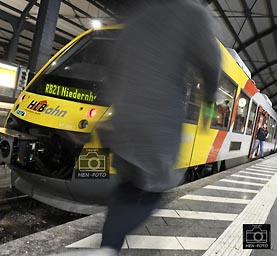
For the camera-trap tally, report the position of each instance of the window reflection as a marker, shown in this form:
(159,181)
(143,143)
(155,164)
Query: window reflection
(241,114)
(224,104)
(271,126)
(275,131)
(251,120)
(192,98)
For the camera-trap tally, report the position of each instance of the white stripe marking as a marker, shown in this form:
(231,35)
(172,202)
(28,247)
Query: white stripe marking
(243,182)
(271,164)
(150,242)
(166,213)
(257,170)
(264,168)
(267,166)
(256,212)
(258,174)
(232,189)
(181,214)
(207,215)
(249,177)
(154,242)
(190,243)
(216,199)
(93,241)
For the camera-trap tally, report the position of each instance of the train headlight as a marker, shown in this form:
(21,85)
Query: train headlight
(22,98)
(91,113)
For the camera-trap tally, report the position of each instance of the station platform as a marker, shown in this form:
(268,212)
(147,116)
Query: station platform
(204,217)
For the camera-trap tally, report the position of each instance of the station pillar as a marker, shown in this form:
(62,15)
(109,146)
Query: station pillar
(44,34)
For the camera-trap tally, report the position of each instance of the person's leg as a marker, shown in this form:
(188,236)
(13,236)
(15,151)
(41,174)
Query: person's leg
(257,150)
(255,146)
(128,208)
(262,148)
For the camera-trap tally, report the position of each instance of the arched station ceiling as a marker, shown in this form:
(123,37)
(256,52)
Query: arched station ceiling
(248,26)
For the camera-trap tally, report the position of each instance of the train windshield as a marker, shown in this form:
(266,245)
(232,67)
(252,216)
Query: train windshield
(78,73)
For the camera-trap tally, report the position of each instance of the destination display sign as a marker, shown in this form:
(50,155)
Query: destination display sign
(70,93)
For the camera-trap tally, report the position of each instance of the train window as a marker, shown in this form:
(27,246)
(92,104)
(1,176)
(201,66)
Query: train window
(78,74)
(270,127)
(242,109)
(268,122)
(275,132)
(192,103)
(224,104)
(251,120)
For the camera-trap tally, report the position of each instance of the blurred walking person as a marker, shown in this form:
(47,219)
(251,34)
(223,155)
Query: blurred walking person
(158,45)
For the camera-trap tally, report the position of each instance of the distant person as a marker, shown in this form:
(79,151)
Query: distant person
(260,139)
(223,113)
(146,88)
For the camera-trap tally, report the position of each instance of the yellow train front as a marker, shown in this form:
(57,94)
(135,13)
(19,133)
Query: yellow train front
(50,138)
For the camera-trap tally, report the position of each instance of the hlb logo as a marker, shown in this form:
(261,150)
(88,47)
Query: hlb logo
(38,105)
(42,107)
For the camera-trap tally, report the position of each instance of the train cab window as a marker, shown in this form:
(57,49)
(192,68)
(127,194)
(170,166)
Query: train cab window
(241,114)
(251,120)
(224,104)
(78,73)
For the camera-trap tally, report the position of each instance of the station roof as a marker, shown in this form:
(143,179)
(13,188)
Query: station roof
(248,26)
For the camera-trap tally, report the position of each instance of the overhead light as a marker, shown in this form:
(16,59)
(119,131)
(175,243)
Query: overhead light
(96,24)
(8,75)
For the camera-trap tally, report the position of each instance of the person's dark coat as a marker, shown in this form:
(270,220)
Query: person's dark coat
(262,134)
(146,87)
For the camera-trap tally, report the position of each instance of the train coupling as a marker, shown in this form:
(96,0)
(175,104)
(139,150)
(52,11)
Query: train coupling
(17,147)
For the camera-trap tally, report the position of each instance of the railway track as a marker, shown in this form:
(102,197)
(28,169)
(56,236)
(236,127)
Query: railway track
(11,202)
(20,215)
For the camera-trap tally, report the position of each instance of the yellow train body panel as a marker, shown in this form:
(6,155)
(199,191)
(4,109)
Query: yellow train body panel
(232,69)
(186,146)
(57,113)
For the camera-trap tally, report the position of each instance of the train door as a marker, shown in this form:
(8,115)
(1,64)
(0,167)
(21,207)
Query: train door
(191,116)
(260,118)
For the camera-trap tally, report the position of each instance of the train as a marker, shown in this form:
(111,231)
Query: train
(50,140)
